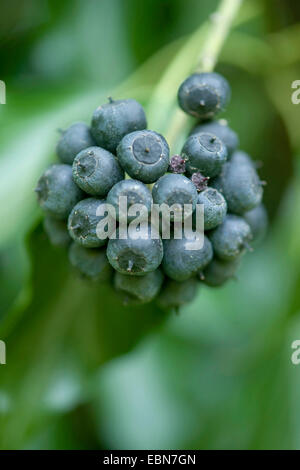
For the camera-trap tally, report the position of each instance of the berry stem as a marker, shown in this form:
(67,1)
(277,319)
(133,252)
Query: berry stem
(221,22)
(219,28)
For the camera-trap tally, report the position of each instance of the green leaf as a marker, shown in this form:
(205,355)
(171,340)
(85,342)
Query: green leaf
(64,314)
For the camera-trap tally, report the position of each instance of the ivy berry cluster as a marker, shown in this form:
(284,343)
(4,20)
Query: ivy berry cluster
(117,156)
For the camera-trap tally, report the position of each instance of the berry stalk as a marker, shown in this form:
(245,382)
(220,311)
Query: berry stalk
(221,21)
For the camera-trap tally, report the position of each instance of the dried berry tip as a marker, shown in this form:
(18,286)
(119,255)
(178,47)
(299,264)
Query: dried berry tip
(177,164)
(130,265)
(247,246)
(200,181)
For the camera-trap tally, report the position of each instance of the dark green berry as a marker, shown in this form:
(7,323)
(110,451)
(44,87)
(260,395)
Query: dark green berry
(257,219)
(176,294)
(72,141)
(231,238)
(57,231)
(215,207)
(174,189)
(239,183)
(138,289)
(96,170)
(83,221)
(56,191)
(222,131)
(133,256)
(205,153)
(218,272)
(135,191)
(144,155)
(91,263)
(180,262)
(241,158)
(204,95)
(113,120)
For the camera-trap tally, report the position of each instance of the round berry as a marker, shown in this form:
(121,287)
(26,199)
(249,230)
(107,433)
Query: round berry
(205,153)
(136,256)
(96,170)
(215,207)
(239,183)
(218,272)
(204,95)
(135,191)
(144,155)
(175,294)
(175,189)
(138,289)
(83,221)
(231,238)
(241,158)
(257,219)
(91,263)
(72,141)
(57,231)
(180,262)
(222,131)
(56,191)
(113,120)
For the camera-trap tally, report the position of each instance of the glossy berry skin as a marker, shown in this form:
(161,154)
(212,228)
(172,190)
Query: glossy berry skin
(113,120)
(204,95)
(136,193)
(204,153)
(91,263)
(221,130)
(96,170)
(218,272)
(175,189)
(138,289)
(180,262)
(231,238)
(56,191)
(215,207)
(135,256)
(257,218)
(144,155)
(57,231)
(176,294)
(76,138)
(239,183)
(82,223)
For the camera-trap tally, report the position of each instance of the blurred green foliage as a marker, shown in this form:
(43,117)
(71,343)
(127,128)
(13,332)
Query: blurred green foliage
(82,371)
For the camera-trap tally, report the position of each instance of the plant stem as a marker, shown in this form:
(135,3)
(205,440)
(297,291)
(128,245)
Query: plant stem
(221,22)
